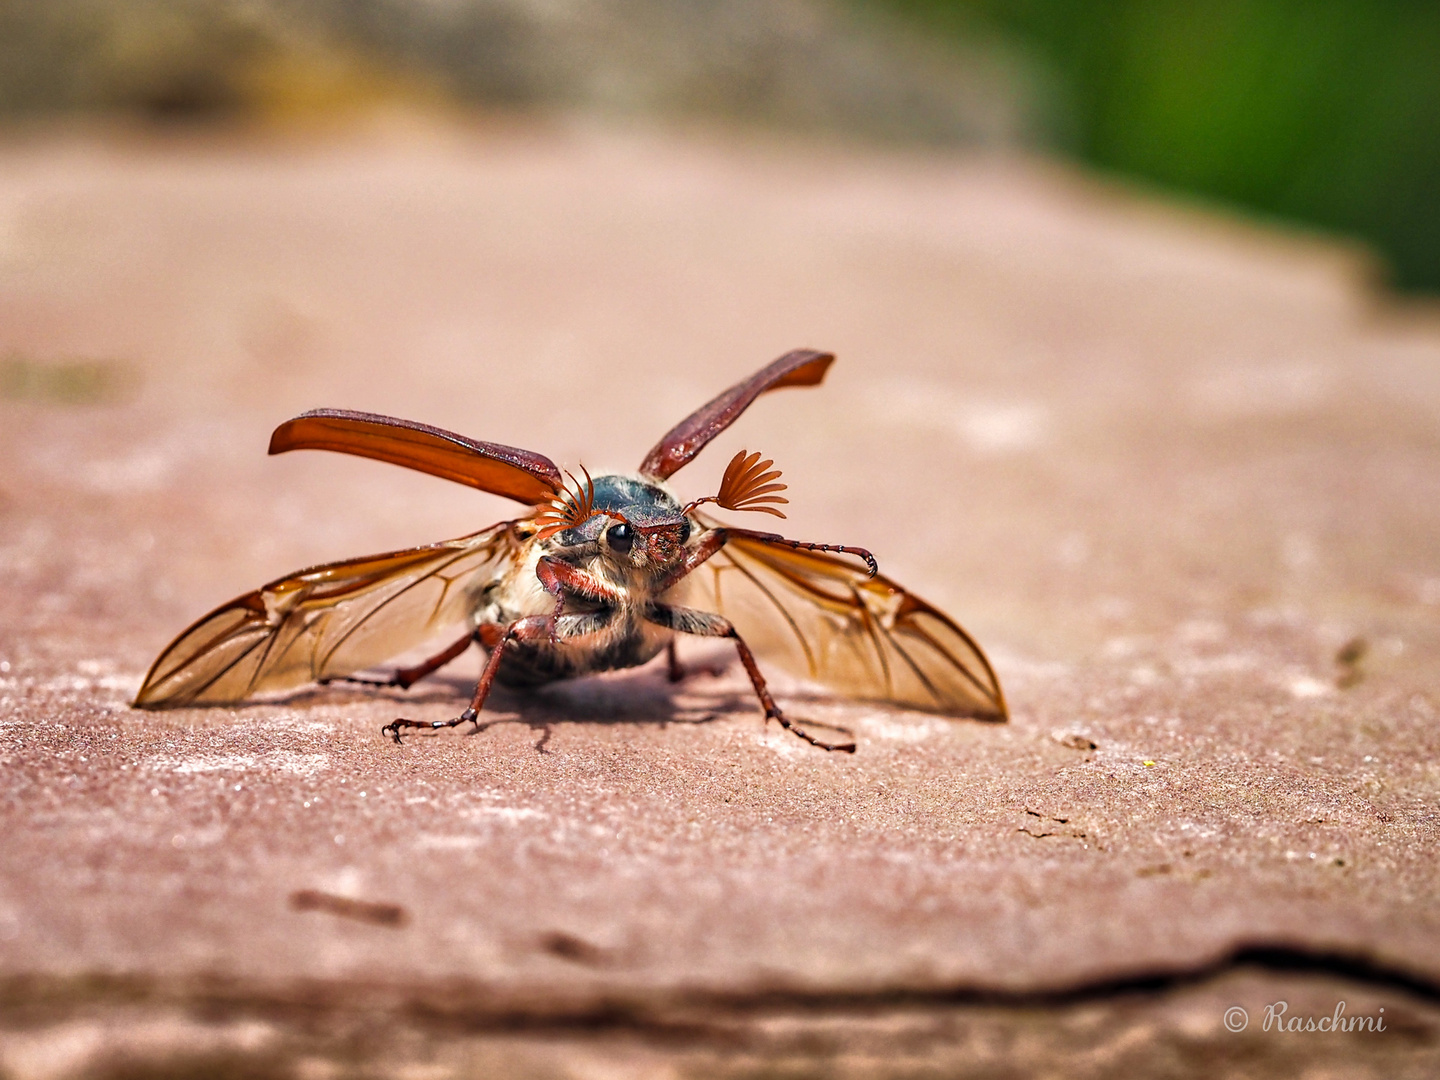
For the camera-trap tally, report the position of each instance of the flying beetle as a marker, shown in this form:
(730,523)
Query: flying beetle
(600,574)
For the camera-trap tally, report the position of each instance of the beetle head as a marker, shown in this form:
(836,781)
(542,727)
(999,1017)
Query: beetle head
(644,537)
(633,523)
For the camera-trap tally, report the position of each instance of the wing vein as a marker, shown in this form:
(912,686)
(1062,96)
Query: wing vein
(869,637)
(785,614)
(872,634)
(386,603)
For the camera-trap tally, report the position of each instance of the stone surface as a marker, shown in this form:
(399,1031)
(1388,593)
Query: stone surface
(1177,474)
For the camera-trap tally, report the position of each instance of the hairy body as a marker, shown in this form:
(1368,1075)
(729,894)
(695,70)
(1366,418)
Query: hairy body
(601,604)
(601,601)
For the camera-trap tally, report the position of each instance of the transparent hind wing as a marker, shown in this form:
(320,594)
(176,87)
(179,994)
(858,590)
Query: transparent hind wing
(327,621)
(820,617)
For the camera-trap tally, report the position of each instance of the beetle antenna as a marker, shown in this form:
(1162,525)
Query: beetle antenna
(568,508)
(747,485)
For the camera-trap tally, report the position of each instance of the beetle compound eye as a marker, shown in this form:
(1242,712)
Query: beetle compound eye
(621,538)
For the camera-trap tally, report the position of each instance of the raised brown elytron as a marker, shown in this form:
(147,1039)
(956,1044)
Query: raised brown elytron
(602,573)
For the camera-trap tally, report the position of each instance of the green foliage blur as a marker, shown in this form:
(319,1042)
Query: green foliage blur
(1324,111)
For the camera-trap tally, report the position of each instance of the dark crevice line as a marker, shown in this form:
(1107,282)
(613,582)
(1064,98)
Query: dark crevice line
(1275,958)
(465,1006)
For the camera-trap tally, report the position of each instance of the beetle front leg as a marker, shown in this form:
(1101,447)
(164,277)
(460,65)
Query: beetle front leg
(871,566)
(708,624)
(709,544)
(561,580)
(716,538)
(532,628)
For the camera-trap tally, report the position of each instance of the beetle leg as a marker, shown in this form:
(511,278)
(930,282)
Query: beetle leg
(805,545)
(560,579)
(708,624)
(716,538)
(407,677)
(528,629)
(712,542)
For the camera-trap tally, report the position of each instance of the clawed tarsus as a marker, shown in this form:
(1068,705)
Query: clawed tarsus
(469,716)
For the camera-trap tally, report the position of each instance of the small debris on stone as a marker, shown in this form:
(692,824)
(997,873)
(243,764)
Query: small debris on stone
(576,950)
(1348,659)
(348,908)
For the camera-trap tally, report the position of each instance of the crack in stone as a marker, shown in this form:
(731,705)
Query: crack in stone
(460,1006)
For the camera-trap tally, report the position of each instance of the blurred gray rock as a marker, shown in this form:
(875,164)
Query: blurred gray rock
(794,63)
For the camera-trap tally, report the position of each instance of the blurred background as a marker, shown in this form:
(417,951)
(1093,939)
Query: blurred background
(1175,471)
(1324,113)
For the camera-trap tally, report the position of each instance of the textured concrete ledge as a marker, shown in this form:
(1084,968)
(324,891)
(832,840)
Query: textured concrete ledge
(1176,474)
